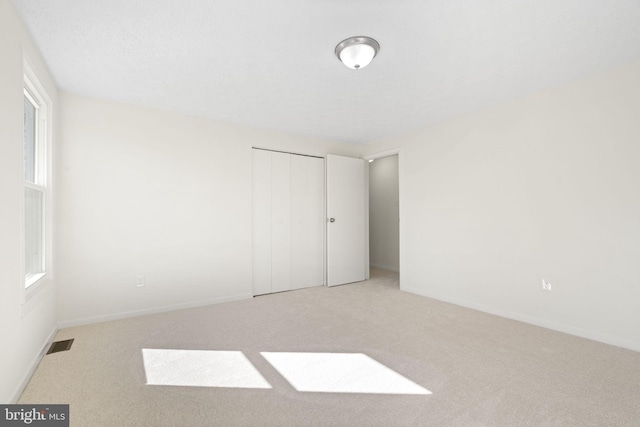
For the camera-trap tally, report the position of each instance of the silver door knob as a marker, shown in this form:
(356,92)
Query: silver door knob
(332,220)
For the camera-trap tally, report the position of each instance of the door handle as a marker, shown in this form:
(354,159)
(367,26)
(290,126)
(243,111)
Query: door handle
(332,220)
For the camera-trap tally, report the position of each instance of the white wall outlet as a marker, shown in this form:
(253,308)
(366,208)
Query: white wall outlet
(139,280)
(546,286)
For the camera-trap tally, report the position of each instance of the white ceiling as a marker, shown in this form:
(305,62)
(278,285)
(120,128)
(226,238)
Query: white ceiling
(271,64)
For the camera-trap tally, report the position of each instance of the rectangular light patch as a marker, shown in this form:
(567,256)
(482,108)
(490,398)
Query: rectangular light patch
(201,368)
(340,373)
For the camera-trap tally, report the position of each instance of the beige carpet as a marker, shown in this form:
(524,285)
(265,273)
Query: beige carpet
(480,370)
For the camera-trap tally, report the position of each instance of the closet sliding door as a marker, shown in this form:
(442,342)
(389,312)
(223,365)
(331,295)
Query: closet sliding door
(288,221)
(280,222)
(307,221)
(261,222)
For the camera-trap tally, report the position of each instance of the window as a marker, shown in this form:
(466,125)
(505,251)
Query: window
(36,178)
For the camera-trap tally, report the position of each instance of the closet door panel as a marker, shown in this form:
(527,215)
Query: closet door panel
(280,222)
(307,221)
(261,222)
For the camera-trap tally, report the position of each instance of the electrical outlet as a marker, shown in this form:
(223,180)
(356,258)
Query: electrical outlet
(546,286)
(139,280)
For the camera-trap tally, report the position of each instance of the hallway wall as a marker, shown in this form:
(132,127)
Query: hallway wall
(384,216)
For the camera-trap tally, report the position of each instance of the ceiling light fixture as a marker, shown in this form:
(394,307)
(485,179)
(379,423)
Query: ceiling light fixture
(357,52)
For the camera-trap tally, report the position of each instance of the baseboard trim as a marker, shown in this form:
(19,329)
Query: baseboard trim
(124,315)
(34,366)
(385,268)
(559,327)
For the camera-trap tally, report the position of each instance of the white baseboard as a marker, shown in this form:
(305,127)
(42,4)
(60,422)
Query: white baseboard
(117,316)
(560,327)
(34,365)
(385,268)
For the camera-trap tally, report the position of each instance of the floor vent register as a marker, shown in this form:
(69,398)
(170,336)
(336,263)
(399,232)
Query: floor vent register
(58,346)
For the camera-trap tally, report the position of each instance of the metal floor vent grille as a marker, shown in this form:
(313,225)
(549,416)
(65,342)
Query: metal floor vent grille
(60,346)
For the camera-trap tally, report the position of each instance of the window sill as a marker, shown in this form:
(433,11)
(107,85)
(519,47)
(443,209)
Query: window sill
(35,289)
(31,280)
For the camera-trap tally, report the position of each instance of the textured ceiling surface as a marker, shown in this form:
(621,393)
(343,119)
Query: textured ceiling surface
(271,64)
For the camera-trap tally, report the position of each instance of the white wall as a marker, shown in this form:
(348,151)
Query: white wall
(147,192)
(544,187)
(383,213)
(25,329)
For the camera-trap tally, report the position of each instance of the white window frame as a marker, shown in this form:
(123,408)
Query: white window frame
(36,93)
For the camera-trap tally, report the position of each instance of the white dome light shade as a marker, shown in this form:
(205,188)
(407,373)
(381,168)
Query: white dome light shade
(357,56)
(357,52)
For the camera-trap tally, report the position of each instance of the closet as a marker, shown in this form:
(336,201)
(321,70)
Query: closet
(288,221)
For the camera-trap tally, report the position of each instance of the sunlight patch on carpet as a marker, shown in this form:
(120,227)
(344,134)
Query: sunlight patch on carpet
(201,368)
(340,373)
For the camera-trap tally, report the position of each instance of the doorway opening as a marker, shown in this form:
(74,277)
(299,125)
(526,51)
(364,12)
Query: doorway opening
(384,214)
